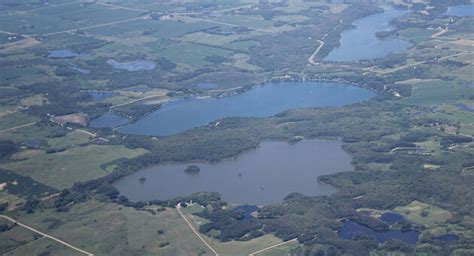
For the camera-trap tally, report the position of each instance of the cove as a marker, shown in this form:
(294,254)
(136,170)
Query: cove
(362,43)
(262,176)
(261,101)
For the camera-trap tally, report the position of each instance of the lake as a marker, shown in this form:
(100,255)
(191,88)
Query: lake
(351,229)
(464,10)
(261,101)
(362,43)
(262,176)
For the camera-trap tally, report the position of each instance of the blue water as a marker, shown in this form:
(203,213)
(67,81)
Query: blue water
(464,10)
(447,238)
(100,96)
(246,210)
(108,120)
(263,176)
(361,43)
(62,54)
(464,107)
(391,218)
(261,101)
(350,229)
(133,65)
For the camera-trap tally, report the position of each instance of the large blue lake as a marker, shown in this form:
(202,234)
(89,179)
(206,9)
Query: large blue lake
(362,43)
(265,175)
(262,101)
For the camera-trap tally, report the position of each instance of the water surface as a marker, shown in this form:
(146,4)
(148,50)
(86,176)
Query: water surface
(262,176)
(362,43)
(108,120)
(133,65)
(262,101)
(464,10)
(62,54)
(350,230)
(447,238)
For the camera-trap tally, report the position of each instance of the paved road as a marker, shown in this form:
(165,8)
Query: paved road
(178,207)
(46,235)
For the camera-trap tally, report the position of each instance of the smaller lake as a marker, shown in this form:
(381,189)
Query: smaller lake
(464,10)
(133,65)
(62,54)
(351,229)
(108,120)
(391,218)
(246,211)
(261,101)
(447,238)
(262,176)
(362,43)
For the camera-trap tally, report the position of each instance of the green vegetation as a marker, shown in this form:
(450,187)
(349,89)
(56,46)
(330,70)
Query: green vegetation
(412,145)
(61,170)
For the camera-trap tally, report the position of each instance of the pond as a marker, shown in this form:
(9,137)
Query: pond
(464,10)
(351,229)
(108,120)
(62,54)
(261,101)
(447,238)
(362,43)
(262,176)
(132,66)
(246,211)
(391,218)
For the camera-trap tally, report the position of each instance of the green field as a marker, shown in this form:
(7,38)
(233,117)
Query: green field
(61,170)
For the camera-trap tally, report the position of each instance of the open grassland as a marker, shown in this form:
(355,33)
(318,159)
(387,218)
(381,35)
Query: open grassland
(60,170)
(109,229)
(423,213)
(437,92)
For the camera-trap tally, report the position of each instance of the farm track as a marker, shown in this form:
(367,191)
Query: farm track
(46,235)
(178,208)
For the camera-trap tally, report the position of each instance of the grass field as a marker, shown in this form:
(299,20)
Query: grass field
(437,92)
(61,170)
(433,215)
(109,229)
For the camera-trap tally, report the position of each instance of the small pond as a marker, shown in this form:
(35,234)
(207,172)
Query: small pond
(246,210)
(391,218)
(62,54)
(447,238)
(132,66)
(351,229)
(262,176)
